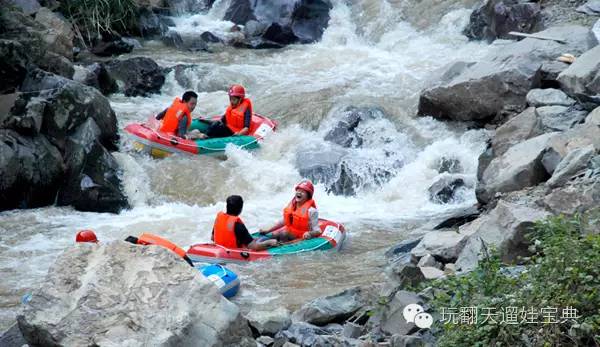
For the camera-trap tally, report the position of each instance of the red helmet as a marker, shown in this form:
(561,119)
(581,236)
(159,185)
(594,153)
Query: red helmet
(307,186)
(237,90)
(86,236)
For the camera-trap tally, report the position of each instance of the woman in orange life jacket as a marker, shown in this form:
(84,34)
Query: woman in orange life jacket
(237,117)
(300,216)
(177,118)
(230,232)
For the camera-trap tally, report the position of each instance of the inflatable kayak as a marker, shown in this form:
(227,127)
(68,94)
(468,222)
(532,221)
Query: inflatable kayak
(147,138)
(332,237)
(226,280)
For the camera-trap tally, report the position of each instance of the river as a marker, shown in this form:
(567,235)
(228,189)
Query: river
(374,53)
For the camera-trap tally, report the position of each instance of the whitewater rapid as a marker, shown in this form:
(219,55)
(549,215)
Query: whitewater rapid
(370,55)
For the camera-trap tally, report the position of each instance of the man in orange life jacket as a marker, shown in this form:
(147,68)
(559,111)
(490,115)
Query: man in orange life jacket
(177,118)
(230,232)
(300,216)
(237,117)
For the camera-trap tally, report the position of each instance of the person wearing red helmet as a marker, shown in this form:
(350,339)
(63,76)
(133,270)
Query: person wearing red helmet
(300,216)
(237,117)
(86,236)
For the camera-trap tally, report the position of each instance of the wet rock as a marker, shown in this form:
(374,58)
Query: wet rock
(573,163)
(443,245)
(520,167)
(502,78)
(255,28)
(139,76)
(402,248)
(402,272)
(582,79)
(31,169)
(559,118)
(429,260)
(431,273)
(12,65)
(209,37)
(309,19)
(112,45)
(59,34)
(391,320)
(189,42)
(269,322)
(240,12)
(548,97)
(28,7)
(591,8)
(29,117)
(92,181)
(333,308)
(449,165)
(522,127)
(577,197)
(96,75)
(505,228)
(494,19)
(459,218)
(305,334)
(596,30)
(343,132)
(444,189)
(581,135)
(279,34)
(76,306)
(68,105)
(150,24)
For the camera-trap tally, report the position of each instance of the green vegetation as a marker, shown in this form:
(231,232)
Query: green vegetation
(519,309)
(94,17)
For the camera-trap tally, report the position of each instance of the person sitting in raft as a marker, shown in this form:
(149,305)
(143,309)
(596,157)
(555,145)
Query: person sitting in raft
(229,231)
(300,217)
(237,117)
(177,118)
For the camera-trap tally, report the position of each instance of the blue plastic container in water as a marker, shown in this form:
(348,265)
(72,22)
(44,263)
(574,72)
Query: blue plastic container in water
(226,280)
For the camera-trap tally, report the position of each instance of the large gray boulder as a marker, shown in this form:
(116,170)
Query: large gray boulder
(334,308)
(560,118)
(269,322)
(501,80)
(444,189)
(576,197)
(573,163)
(59,34)
(119,294)
(31,170)
(522,127)
(594,117)
(503,228)
(137,76)
(519,167)
(548,97)
(390,318)
(95,75)
(582,79)
(443,245)
(494,19)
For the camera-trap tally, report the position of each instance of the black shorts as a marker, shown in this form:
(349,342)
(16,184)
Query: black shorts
(218,129)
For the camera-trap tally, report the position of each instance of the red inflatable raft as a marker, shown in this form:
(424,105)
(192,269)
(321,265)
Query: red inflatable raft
(332,237)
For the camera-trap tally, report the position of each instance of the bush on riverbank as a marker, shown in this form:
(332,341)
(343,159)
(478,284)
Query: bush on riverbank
(94,18)
(563,274)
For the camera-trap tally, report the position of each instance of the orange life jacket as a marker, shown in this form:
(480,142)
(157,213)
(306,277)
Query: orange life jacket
(224,230)
(150,239)
(297,220)
(171,120)
(234,117)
